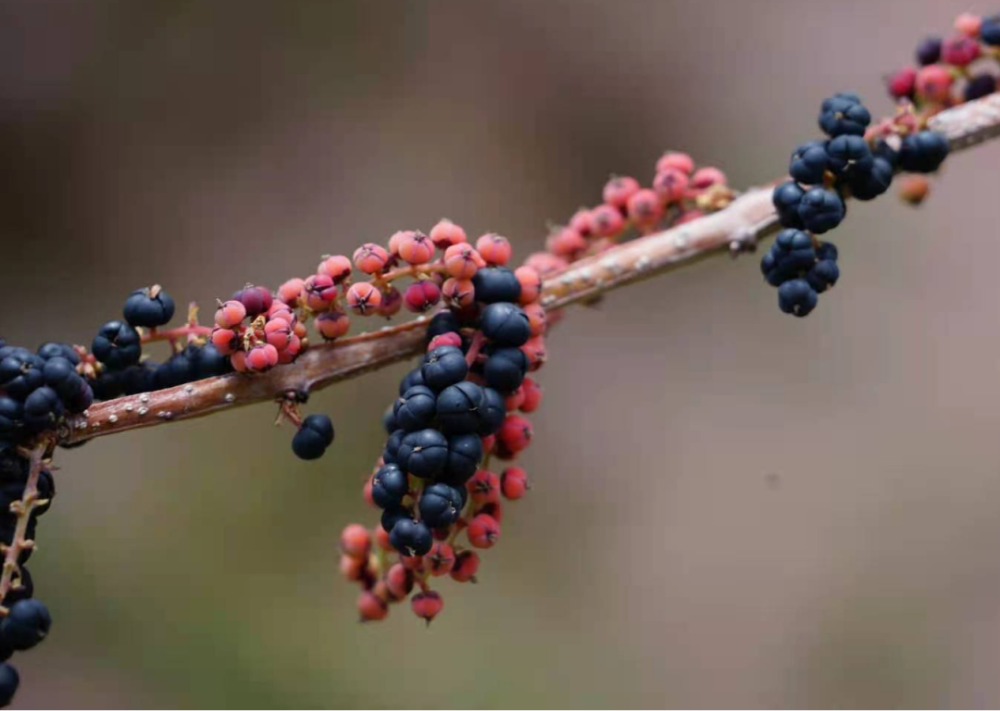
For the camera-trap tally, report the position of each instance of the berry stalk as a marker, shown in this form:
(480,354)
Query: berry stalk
(23,510)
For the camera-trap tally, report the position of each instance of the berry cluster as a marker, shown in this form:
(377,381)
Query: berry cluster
(854,161)
(455,411)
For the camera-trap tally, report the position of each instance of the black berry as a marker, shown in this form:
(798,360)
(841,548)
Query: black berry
(923,152)
(411,538)
(26,624)
(314,436)
(117,345)
(495,284)
(441,505)
(786,198)
(389,485)
(505,369)
(444,366)
(506,324)
(929,51)
(843,114)
(797,297)
(151,307)
(423,453)
(459,408)
(809,162)
(415,409)
(821,210)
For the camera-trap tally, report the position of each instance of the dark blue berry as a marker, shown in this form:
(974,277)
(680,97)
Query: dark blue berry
(873,182)
(849,156)
(821,210)
(886,152)
(59,350)
(505,324)
(505,369)
(786,198)
(411,538)
(797,297)
(392,446)
(923,152)
(459,408)
(843,114)
(26,624)
(929,51)
(823,275)
(21,374)
(177,370)
(492,413)
(423,453)
(791,255)
(150,307)
(464,454)
(389,420)
(809,162)
(42,409)
(443,322)
(11,415)
(389,485)
(415,409)
(979,86)
(441,505)
(495,284)
(989,31)
(117,345)
(444,366)
(209,362)
(414,377)
(138,378)
(9,681)
(314,436)
(393,515)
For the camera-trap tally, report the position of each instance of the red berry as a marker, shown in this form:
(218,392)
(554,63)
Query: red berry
(489,442)
(582,221)
(355,541)
(261,357)
(399,581)
(290,353)
(484,487)
(676,161)
(291,291)
(230,314)
(370,258)
(934,83)
(671,185)
(705,178)
(532,395)
(371,607)
(239,362)
(333,324)
(567,242)
(366,492)
(466,566)
(446,234)
(483,531)
(531,284)
(338,267)
(441,559)
(279,309)
(320,291)
(421,296)
(515,433)
(256,299)
(392,302)
(278,333)
(968,24)
(459,292)
(492,508)
(619,189)
(515,399)
(352,568)
(959,51)
(363,298)
(608,221)
(416,248)
(382,539)
(545,263)
(462,261)
(513,483)
(536,318)
(445,339)
(645,208)
(903,83)
(494,248)
(426,605)
(535,350)
(413,562)
(225,340)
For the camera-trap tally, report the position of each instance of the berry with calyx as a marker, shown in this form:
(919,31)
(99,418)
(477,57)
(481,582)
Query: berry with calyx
(821,210)
(446,234)
(364,298)
(923,152)
(444,366)
(421,296)
(415,409)
(532,395)
(370,258)
(313,437)
(462,261)
(333,324)
(791,254)
(319,291)
(505,324)
(389,485)
(797,297)
(494,248)
(423,453)
(515,433)
(607,221)
(959,51)
(786,198)
(117,345)
(645,208)
(823,275)
(441,559)
(465,567)
(150,307)
(483,487)
(440,505)
(849,156)
(337,267)
(513,483)
(230,314)
(843,114)
(399,581)
(483,531)
(411,538)
(371,607)
(261,357)
(416,248)
(458,293)
(427,605)
(619,189)
(671,185)
(26,624)
(256,299)
(873,182)
(566,242)
(809,162)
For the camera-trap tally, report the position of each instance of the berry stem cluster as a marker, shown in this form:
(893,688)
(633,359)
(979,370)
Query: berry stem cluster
(23,509)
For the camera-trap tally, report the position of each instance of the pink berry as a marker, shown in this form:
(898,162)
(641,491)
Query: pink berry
(427,605)
(279,309)
(338,267)
(291,352)
(392,302)
(515,433)
(582,221)
(239,362)
(291,291)
(225,340)
(445,339)
(416,248)
(968,24)
(483,531)
(320,292)
(531,284)
(333,324)
(513,483)
(370,258)
(256,299)
(399,581)
(545,263)
(230,314)
(447,234)
(484,487)
(462,261)
(934,83)
(441,559)
(382,539)
(278,333)
(514,400)
(459,292)
(421,296)
(494,248)
(671,185)
(619,189)
(959,51)
(705,178)
(567,242)
(608,221)
(261,357)
(355,541)
(645,208)
(532,395)
(371,608)
(363,298)
(903,83)
(536,318)
(489,442)
(351,568)
(466,566)
(676,161)
(535,350)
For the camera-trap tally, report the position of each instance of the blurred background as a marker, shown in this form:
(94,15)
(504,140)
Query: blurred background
(730,507)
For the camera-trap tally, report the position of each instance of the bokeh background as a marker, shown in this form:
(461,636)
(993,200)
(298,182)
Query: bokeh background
(730,507)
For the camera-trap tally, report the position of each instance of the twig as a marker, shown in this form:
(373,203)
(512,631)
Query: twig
(748,219)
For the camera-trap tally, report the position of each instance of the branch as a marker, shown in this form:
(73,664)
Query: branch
(748,219)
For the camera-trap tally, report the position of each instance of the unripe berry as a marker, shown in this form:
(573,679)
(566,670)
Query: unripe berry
(535,350)
(363,298)
(913,189)
(483,531)
(414,563)
(531,284)
(399,581)
(445,339)
(537,319)
(256,299)
(421,296)
(608,221)
(261,357)
(582,222)
(370,258)
(959,51)
(532,395)
(675,161)
(415,248)
(427,605)
(230,314)
(705,178)
(291,291)
(546,263)
(319,291)
(494,248)
(352,569)
(619,189)
(278,333)
(239,362)
(332,324)
(671,185)
(281,310)
(567,242)
(225,340)
(382,539)
(371,608)
(446,234)
(355,541)
(459,293)
(338,267)
(392,302)
(934,83)
(466,566)
(514,400)
(484,487)
(292,351)
(645,208)
(515,433)
(903,83)
(441,559)
(513,483)
(462,261)
(968,24)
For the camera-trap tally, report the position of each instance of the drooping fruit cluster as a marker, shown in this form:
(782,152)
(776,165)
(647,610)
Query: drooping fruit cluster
(854,161)
(455,411)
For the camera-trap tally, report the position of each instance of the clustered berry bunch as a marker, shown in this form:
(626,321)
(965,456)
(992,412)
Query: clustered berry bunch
(853,162)
(455,411)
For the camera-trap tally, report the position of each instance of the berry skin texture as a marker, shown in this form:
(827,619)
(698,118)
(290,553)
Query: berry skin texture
(923,152)
(423,453)
(459,293)
(230,314)
(513,483)
(440,505)
(809,162)
(537,319)
(443,367)
(314,436)
(566,242)
(416,248)
(441,559)
(446,234)
(823,275)
(371,607)
(364,298)
(872,183)
(421,296)
(462,261)
(483,531)
(333,324)
(903,83)
(399,581)
(821,210)
(466,566)
(843,114)
(291,291)
(797,297)
(370,258)
(496,284)
(42,409)
(465,452)
(515,433)
(117,345)
(9,681)
(151,307)
(505,369)
(415,409)
(411,538)
(427,605)
(494,248)
(27,624)
(934,83)
(619,189)
(320,291)
(389,485)
(278,333)
(256,299)
(786,198)
(959,51)
(355,541)
(505,324)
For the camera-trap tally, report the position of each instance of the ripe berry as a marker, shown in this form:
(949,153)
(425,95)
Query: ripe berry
(494,248)
(797,297)
(364,298)
(496,284)
(333,324)
(414,377)
(483,531)
(371,607)
(440,505)
(411,538)
(645,208)
(671,185)
(26,624)
(492,412)
(370,258)
(934,83)
(484,487)
(705,178)
(873,182)
(441,559)
(230,314)
(791,254)
(809,162)
(415,409)
(150,307)
(673,160)
(256,299)
(355,541)
(117,345)
(979,86)
(515,433)
(446,234)
(421,296)
(427,605)
(607,221)
(923,152)
(843,114)
(320,291)
(295,346)
(466,566)
(786,198)
(11,415)
(903,83)
(314,436)
(399,581)
(393,515)
(389,485)
(514,399)
(821,210)
(56,350)
(423,453)
(619,189)
(531,284)
(849,156)
(443,367)
(823,275)
(465,452)
(989,31)
(415,248)
(532,395)
(42,409)
(513,483)
(959,51)
(9,681)
(505,369)
(459,408)
(505,324)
